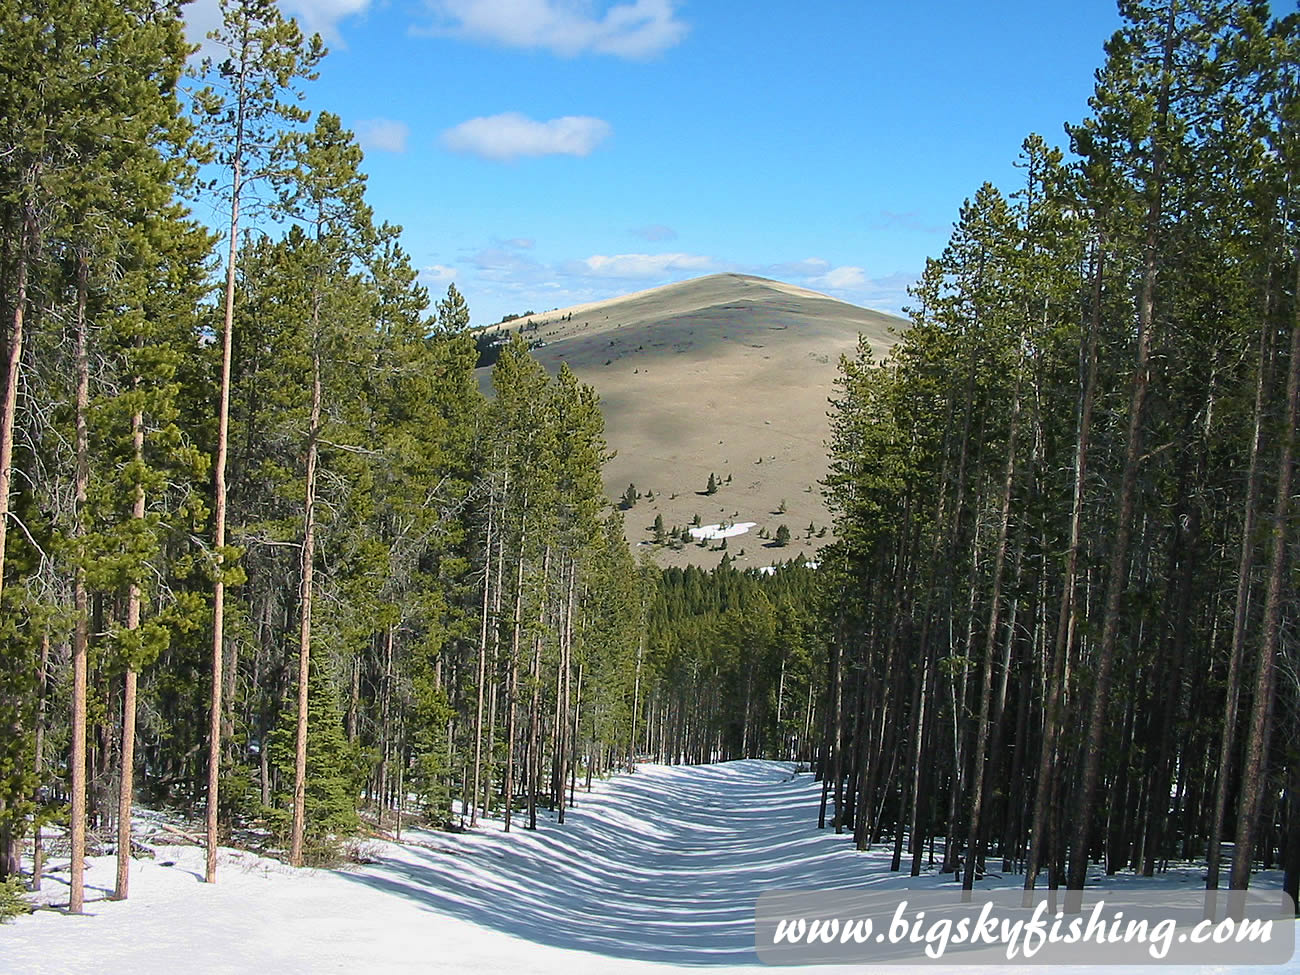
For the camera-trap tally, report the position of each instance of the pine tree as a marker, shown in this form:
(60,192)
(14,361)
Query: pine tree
(328,195)
(247,123)
(453,313)
(332,778)
(111,141)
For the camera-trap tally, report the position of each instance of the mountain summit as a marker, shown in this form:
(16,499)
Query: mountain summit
(725,375)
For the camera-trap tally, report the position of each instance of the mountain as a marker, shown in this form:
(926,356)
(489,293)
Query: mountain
(726,375)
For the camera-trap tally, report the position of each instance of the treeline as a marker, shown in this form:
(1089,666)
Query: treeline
(737,667)
(1061,597)
(266,551)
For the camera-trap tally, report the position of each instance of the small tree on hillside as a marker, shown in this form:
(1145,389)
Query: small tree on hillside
(713,485)
(629,497)
(659,529)
(782,535)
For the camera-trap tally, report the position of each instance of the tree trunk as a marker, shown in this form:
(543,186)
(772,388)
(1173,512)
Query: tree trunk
(12,366)
(43,684)
(81,630)
(1065,621)
(490,775)
(1245,566)
(482,665)
(508,785)
(305,595)
(973,851)
(566,740)
(127,780)
(1260,731)
(1291,864)
(573,739)
(219,524)
(535,731)
(919,792)
(636,694)
(1081,839)
(837,716)
(354,698)
(401,788)
(960,710)
(512,703)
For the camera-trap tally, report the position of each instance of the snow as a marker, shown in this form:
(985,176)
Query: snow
(711,532)
(653,871)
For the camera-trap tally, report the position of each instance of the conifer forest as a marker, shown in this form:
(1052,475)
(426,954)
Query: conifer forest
(269,556)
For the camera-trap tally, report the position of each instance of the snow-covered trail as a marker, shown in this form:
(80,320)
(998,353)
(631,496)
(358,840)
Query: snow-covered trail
(652,871)
(666,866)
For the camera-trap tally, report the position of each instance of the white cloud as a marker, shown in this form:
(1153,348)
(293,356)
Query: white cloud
(817,272)
(848,282)
(383,134)
(437,274)
(201,16)
(511,135)
(637,29)
(323,16)
(643,265)
(888,293)
(841,277)
(313,16)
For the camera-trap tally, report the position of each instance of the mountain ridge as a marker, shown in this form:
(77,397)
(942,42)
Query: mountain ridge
(725,374)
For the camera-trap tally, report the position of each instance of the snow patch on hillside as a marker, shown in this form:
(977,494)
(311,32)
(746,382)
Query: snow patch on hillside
(711,532)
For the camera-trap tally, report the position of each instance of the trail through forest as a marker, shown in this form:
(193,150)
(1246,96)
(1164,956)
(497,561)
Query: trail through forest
(652,870)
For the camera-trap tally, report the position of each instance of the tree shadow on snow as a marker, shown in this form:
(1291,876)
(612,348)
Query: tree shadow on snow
(665,865)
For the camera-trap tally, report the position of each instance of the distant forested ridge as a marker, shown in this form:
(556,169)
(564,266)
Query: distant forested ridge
(1063,603)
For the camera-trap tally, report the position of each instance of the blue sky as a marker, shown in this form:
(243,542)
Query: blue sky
(540,153)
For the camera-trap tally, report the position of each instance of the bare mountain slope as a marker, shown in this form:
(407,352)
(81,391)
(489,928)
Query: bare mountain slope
(726,374)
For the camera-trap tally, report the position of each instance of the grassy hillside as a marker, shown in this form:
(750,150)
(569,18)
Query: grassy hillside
(726,375)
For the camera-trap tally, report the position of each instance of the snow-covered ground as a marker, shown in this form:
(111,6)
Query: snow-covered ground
(652,871)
